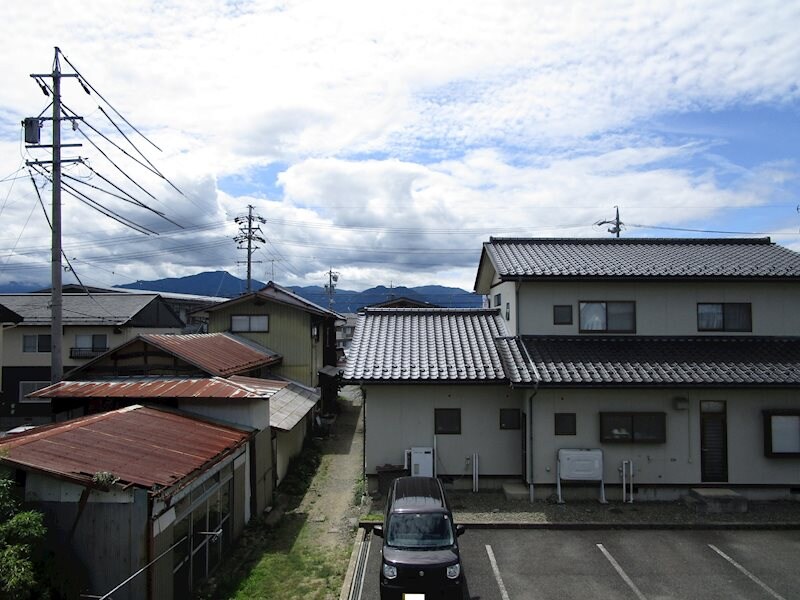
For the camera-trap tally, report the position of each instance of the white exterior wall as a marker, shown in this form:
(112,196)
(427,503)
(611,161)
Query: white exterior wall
(678,460)
(402,416)
(253,412)
(289,443)
(508,293)
(15,357)
(662,308)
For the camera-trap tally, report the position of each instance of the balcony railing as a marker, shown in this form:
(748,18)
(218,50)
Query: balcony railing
(86,352)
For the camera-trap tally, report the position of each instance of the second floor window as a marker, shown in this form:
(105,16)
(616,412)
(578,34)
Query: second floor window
(610,317)
(36,343)
(89,346)
(498,299)
(249,323)
(724,316)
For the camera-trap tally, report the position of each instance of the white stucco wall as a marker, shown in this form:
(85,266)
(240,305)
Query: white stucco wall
(678,460)
(662,308)
(402,416)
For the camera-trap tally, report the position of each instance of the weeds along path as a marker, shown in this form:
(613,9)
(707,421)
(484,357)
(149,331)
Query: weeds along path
(332,502)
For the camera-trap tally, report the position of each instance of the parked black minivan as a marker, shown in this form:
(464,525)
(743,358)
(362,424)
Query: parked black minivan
(420,547)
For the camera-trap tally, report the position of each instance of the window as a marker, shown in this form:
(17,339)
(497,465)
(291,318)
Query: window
(724,316)
(28,387)
(249,323)
(89,346)
(510,418)
(782,433)
(562,314)
(36,343)
(566,424)
(638,427)
(612,317)
(447,420)
(498,299)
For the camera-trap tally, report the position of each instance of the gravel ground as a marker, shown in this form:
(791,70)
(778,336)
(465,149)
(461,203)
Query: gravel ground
(492,507)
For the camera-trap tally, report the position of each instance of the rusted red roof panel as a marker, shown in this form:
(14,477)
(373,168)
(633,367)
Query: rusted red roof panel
(150,387)
(142,446)
(217,353)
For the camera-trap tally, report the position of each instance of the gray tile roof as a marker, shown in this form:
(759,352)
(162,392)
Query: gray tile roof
(435,345)
(78,309)
(538,258)
(657,361)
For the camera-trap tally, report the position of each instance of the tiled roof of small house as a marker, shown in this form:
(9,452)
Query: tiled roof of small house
(638,258)
(79,309)
(649,361)
(436,345)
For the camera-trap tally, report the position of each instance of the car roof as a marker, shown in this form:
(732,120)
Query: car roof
(418,494)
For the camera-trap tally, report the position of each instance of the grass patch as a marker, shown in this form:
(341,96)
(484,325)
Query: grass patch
(373,517)
(359,489)
(301,471)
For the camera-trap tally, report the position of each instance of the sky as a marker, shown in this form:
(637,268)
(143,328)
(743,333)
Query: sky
(386,141)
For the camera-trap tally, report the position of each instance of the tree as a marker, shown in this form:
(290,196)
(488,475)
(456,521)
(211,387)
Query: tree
(21,537)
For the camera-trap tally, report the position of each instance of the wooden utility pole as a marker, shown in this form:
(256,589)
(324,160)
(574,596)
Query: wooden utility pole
(56,312)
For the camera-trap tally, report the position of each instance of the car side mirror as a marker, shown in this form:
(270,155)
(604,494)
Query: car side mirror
(378,530)
(460,529)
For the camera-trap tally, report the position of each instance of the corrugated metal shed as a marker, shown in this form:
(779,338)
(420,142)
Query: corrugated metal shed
(220,354)
(289,402)
(79,309)
(145,447)
(621,361)
(413,345)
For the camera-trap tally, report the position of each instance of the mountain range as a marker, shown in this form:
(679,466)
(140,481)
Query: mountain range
(223,284)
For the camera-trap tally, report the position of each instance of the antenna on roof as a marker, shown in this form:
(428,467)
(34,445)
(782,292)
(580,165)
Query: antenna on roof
(616,224)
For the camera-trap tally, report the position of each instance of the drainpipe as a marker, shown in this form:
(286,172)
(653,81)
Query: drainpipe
(363,434)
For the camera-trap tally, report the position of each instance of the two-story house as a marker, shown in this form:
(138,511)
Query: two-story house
(658,352)
(92,323)
(302,332)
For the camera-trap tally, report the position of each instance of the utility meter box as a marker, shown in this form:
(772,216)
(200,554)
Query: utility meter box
(422,462)
(585,465)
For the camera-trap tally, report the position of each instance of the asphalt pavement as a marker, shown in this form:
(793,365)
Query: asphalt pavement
(606,564)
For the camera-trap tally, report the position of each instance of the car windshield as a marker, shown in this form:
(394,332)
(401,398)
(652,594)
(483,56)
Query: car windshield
(419,530)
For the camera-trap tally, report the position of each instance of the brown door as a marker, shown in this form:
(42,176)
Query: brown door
(713,442)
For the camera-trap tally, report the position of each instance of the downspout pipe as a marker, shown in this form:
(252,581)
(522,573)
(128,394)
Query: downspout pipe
(363,434)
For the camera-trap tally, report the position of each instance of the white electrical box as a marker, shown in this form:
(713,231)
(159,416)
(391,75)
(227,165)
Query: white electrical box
(422,462)
(577,465)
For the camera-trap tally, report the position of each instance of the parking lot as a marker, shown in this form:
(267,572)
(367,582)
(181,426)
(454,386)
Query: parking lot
(619,564)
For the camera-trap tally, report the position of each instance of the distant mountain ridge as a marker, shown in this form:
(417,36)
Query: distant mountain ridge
(223,284)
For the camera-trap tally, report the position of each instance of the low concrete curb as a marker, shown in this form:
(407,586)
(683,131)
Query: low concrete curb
(600,525)
(355,555)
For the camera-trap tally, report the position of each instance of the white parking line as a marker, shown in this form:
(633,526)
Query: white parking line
(499,579)
(752,577)
(621,572)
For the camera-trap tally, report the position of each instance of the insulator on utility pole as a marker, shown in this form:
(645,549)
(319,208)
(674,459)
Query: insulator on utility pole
(616,224)
(330,287)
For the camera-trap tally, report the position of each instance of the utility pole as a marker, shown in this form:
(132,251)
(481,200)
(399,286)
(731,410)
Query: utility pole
(249,234)
(330,287)
(32,127)
(616,224)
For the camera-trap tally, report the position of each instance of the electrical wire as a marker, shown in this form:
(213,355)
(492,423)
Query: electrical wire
(714,231)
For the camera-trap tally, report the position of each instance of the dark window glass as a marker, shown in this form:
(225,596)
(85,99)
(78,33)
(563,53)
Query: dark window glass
(566,424)
(613,317)
(510,418)
(562,314)
(498,299)
(724,316)
(645,427)
(447,420)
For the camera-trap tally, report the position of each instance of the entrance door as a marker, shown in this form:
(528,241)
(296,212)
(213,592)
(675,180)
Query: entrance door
(713,442)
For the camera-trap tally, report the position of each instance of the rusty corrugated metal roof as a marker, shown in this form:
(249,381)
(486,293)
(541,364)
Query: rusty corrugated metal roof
(144,388)
(145,447)
(220,354)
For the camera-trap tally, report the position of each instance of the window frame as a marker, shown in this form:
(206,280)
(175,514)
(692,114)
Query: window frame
(767,416)
(606,438)
(724,327)
(39,337)
(250,328)
(605,304)
(439,428)
(562,321)
(40,384)
(572,423)
(516,423)
(498,300)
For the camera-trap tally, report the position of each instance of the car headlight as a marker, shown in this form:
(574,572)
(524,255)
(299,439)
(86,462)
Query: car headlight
(453,571)
(390,571)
